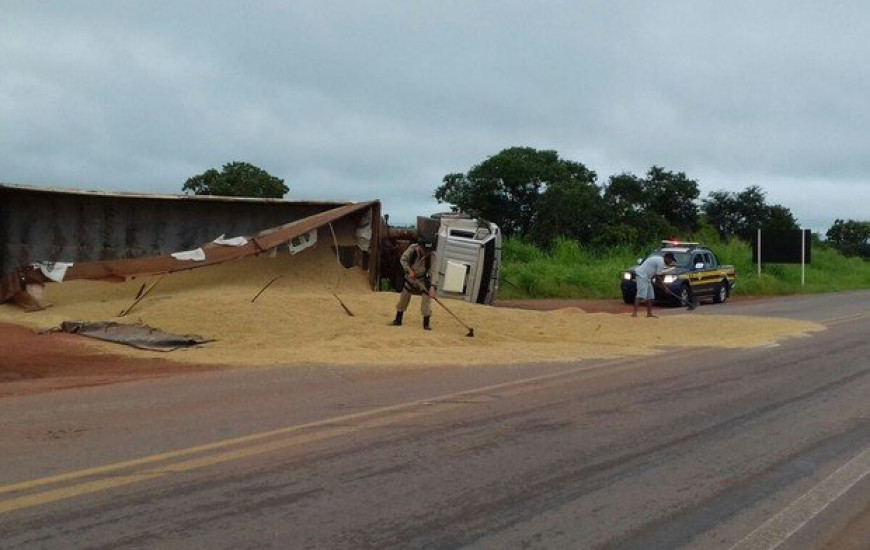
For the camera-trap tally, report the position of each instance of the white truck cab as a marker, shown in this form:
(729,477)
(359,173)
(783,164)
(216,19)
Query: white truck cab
(467,256)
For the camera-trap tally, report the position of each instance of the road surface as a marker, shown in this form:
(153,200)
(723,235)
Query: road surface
(709,449)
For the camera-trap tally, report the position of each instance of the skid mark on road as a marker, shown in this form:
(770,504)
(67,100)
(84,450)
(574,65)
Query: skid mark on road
(845,319)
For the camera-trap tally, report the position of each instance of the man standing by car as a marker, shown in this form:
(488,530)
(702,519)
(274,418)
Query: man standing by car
(650,268)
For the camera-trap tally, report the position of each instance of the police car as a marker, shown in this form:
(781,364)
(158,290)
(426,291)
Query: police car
(696,275)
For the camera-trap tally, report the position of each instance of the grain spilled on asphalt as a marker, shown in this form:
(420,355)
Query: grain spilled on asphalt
(298,319)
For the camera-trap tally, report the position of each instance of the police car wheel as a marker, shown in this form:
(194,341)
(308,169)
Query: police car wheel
(685,295)
(721,293)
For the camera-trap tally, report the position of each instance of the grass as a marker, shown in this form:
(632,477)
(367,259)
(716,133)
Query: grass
(568,270)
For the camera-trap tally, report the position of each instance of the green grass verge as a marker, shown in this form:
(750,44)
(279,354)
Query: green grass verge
(568,270)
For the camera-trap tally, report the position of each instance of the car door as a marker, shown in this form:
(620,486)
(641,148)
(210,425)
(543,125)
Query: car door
(696,274)
(705,275)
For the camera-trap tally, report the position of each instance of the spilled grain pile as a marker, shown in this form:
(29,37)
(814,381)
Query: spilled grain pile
(299,319)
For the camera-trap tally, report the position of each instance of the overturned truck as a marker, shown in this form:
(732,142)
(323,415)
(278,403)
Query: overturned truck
(467,256)
(50,235)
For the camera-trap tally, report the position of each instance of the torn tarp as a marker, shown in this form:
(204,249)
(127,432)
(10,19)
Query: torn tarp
(55,271)
(138,336)
(235,241)
(197,255)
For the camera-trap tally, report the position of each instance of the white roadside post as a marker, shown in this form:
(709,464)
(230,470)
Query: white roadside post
(758,259)
(803,256)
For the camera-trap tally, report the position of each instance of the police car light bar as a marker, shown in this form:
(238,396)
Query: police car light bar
(669,242)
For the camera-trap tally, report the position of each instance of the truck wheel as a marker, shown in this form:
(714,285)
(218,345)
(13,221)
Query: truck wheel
(722,292)
(627,297)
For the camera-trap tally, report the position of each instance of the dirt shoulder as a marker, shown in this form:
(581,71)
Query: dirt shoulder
(34,363)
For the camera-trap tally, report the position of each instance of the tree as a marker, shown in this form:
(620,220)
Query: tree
(723,212)
(780,217)
(506,187)
(237,179)
(742,214)
(572,209)
(851,237)
(625,196)
(672,196)
(752,207)
(643,210)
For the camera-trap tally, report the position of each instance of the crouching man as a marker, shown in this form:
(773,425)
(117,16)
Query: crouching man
(417,265)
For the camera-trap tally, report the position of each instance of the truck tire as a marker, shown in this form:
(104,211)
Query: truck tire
(627,297)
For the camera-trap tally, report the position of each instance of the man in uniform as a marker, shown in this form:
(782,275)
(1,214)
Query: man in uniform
(417,264)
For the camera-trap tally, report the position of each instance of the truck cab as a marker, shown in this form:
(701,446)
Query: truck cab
(467,258)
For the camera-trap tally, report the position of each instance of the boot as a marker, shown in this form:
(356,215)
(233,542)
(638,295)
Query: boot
(397,322)
(426,324)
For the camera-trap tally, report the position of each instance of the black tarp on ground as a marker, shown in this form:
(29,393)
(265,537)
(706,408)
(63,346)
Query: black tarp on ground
(137,336)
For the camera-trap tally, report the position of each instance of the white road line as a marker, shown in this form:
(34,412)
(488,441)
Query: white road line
(791,519)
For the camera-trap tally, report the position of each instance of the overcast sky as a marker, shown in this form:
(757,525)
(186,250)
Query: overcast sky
(359,99)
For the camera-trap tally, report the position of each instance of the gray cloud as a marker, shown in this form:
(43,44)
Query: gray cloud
(375,99)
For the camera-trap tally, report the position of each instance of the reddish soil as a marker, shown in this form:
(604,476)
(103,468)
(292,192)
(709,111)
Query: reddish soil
(33,363)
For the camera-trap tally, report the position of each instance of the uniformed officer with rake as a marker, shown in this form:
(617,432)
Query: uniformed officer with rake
(417,264)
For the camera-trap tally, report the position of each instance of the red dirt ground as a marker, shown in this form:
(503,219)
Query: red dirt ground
(34,363)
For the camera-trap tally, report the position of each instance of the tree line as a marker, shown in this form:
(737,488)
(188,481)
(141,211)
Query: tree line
(538,196)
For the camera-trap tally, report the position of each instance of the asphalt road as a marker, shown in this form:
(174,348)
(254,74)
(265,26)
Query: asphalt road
(710,449)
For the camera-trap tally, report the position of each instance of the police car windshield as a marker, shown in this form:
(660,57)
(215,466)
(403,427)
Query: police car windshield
(684,259)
